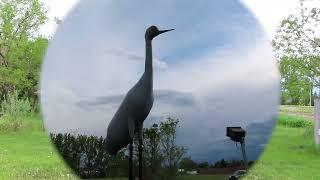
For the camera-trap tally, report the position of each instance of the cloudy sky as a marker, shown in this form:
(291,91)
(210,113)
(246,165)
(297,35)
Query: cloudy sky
(215,70)
(261,9)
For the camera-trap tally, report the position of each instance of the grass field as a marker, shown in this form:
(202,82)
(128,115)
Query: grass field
(203,177)
(290,155)
(297,111)
(30,155)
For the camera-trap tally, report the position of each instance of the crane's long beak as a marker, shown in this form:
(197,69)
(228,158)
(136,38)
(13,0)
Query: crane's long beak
(163,31)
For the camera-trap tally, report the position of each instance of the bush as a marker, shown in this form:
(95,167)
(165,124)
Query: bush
(162,154)
(295,122)
(15,107)
(13,110)
(309,132)
(7,125)
(87,156)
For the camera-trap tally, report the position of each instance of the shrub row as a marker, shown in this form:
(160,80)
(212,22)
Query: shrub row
(86,155)
(295,122)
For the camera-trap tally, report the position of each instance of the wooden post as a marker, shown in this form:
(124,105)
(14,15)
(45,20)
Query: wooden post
(317,121)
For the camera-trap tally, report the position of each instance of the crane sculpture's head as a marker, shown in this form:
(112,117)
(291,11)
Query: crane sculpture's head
(153,31)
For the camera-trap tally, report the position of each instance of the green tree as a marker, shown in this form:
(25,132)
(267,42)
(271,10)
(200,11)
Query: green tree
(21,48)
(162,154)
(171,151)
(220,164)
(203,164)
(297,46)
(187,164)
(152,152)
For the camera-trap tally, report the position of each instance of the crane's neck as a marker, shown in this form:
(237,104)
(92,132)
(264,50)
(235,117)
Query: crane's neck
(148,72)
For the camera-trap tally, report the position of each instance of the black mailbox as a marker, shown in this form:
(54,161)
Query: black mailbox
(236,134)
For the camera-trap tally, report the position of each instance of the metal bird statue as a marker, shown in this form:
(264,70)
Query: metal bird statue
(134,109)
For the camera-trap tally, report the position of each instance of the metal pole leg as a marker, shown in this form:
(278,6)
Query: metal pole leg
(244,155)
(130,175)
(140,157)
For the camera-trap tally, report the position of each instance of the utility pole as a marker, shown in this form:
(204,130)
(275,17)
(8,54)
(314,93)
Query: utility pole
(310,101)
(317,120)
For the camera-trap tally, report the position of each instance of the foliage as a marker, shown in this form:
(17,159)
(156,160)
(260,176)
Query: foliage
(161,153)
(172,152)
(13,111)
(152,152)
(309,131)
(297,45)
(187,164)
(15,107)
(296,35)
(204,164)
(88,157)
(21,48)
(294,122)
(220,164)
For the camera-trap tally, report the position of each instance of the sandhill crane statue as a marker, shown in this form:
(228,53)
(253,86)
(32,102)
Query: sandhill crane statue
(134,109)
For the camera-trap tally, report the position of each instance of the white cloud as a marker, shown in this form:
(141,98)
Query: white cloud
(268,12)
(220,70)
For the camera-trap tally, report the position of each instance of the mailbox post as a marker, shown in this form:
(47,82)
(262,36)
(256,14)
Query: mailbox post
(237,134)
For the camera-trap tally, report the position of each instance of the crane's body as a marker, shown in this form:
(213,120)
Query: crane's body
(129,117)
(136,105)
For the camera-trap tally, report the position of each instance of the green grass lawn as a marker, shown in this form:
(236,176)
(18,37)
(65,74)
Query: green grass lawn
(30,155)
(190,177)
(290,155)
(203,177)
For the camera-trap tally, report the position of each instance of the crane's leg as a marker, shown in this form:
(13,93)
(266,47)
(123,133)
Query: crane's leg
(131,128)
(140,150)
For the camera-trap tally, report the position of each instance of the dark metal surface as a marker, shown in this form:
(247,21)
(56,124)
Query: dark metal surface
(134,109)
(130,175)
(140,158)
